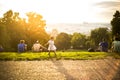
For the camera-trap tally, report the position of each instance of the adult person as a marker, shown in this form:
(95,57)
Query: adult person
(103,46)
(116,45)
(22,46)
(37,47)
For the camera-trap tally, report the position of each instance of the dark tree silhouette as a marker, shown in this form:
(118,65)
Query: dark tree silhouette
(116,24)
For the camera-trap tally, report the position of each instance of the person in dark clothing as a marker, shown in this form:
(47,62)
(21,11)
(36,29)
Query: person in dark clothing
(1,48)
(103,46)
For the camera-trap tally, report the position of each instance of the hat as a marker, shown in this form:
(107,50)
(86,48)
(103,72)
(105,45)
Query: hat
(37,41)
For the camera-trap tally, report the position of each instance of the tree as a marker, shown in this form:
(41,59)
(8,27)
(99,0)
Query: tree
(116,24)
(13,29)
(98,34)
(78,40)
(6,25)
(54,33)
(36,28)
(89,43)
(63,41)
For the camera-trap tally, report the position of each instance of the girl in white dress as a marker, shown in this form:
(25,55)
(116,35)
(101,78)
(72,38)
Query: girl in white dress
(51,46)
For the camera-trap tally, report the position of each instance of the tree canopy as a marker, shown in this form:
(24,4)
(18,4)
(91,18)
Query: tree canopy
(63,41)
(116,24)
(13,28)
(78,40)
(98,34)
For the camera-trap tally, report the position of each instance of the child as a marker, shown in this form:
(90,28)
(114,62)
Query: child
(51,46)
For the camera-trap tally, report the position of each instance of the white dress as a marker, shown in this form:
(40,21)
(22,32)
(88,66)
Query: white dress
(51,45)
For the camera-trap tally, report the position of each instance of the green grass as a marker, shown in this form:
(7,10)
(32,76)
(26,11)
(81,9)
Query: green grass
(69,55)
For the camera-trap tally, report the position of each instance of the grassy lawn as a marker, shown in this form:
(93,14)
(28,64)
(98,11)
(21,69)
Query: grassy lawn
(69,55)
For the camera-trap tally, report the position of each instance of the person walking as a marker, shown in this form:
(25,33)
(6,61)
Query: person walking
(51,47)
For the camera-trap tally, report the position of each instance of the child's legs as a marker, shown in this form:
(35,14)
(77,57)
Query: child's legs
(55,53)
(49,52)
(52,51)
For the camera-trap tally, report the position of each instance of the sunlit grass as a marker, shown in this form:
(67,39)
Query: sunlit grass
(75,55)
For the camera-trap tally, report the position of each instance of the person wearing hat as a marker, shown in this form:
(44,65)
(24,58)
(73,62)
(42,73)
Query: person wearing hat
(37,47)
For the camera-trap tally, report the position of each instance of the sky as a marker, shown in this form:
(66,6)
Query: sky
(64,11)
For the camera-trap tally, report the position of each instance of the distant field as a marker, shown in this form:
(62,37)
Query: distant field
(69,55)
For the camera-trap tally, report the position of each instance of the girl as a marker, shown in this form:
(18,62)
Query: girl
(51,46)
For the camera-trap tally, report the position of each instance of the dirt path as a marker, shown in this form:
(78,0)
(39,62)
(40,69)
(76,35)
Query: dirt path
(107,69)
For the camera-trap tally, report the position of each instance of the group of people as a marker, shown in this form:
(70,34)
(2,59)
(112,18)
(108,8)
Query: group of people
(115,46)
(104,46)
(37,47)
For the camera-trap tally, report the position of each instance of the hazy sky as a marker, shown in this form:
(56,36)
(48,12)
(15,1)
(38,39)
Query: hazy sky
(65,11)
